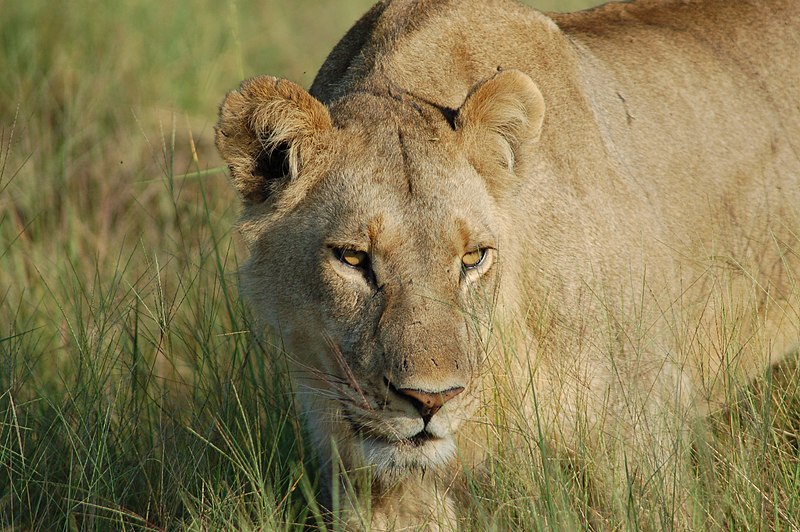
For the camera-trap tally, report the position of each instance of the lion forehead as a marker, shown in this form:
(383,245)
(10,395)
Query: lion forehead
(402,174)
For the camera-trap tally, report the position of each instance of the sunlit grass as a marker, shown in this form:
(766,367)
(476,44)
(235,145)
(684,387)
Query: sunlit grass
(133,392)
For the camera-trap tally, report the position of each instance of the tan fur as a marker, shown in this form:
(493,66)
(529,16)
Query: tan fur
(632,171)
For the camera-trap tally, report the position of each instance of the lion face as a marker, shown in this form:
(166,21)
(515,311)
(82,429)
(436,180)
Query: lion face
(376,253)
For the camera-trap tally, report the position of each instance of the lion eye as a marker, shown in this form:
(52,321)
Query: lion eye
(473,259)
(351,257)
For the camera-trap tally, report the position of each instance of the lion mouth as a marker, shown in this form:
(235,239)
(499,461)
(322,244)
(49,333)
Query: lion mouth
(395,457)
(419,439)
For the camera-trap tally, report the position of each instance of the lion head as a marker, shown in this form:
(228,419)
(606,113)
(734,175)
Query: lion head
(377,250)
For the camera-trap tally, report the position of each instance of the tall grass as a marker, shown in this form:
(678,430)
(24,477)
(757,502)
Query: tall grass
(133,391)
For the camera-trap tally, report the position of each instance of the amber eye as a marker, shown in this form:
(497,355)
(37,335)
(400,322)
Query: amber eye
(351,257)
(473,259)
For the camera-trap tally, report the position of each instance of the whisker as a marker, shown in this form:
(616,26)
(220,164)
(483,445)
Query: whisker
(346,367)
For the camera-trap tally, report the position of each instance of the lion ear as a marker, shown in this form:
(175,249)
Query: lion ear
(502,117)
(265,130)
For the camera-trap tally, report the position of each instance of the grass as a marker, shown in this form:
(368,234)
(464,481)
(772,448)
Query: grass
(133,394)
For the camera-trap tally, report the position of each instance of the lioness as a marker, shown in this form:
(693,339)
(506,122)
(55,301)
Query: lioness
(589,215)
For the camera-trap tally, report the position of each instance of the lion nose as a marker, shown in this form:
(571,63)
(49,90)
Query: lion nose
(428,403)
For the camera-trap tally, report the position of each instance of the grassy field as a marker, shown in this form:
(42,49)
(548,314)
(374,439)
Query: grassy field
(132,393)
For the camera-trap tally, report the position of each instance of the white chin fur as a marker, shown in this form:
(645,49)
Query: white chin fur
(398,458)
